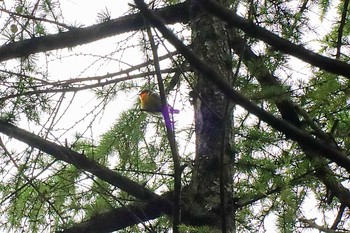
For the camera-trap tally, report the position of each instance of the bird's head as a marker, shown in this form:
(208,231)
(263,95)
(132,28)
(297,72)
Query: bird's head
(144,93)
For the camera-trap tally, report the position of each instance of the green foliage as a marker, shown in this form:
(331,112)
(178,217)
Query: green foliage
(124,137)
(40,29)
(290,18)
(327,90)
(31,200)
(324,5)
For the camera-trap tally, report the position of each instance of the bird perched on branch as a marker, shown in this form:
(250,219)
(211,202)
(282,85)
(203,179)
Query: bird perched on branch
(151,103)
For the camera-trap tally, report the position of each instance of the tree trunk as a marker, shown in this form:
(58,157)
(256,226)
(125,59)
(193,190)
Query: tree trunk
(210,194)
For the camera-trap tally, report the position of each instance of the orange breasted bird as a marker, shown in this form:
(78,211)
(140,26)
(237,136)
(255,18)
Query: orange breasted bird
(151,103)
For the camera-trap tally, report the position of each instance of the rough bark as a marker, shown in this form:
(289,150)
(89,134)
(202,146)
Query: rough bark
(213,120)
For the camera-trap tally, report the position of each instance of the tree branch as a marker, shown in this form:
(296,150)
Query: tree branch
(170,135)
(311,224)
(68,85)
(36,18)
(266,79)
(120,218)
(80,161)
(289,111)
(341,28)
(339,216)
(78,36)
(315,59)
(171,14)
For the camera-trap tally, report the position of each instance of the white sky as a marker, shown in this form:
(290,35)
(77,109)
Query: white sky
(83,11)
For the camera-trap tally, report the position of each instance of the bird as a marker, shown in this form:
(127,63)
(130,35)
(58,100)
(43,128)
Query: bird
(151,103)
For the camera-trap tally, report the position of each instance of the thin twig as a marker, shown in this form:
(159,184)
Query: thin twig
(66,87)
(36,18)
(30,182)
(341,28)
(310,223)
(171,137)
(339,216)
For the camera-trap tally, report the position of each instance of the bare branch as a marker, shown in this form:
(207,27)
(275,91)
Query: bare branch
(339,216)
(79,36)
(64,86)
(310,223)
(36,18)
(171,137)
(341,28)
